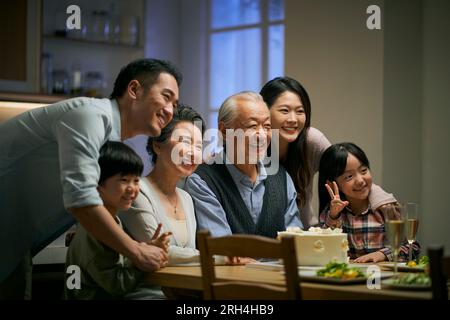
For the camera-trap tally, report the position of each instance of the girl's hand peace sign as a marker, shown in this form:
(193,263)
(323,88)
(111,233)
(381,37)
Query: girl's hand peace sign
(336,204)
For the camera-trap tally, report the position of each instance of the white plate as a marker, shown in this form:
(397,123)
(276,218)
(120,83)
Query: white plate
(388,283)
(185,264)
(402,267)
(310,275)
(276,266)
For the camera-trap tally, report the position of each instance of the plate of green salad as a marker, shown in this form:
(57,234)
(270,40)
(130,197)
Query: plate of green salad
(334,272)
(409,281)
(418,265)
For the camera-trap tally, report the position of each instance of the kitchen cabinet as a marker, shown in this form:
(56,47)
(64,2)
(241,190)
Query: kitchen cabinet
(35,47)
(20,45)
(111,34)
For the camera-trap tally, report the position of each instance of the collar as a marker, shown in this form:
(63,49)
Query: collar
(368,210)
(239,176)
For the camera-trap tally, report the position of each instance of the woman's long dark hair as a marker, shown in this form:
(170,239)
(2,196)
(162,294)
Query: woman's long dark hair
(296,161)
(333,164)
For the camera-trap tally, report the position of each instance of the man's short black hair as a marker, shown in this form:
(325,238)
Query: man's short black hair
(146,71)
(118,158)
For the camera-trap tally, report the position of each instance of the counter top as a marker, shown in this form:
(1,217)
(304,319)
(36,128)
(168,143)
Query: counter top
(30,97)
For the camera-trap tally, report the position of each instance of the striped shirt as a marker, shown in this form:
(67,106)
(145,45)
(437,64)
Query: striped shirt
(366,233)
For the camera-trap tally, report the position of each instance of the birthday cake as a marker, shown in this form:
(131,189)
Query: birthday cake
(317,246)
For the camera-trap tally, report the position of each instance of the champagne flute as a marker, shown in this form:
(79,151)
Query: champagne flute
(395,226)
(412,224)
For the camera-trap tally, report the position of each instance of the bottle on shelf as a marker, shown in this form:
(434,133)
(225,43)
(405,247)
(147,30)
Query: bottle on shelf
(94,30)
(105,26)
(95,84)
(60,82)
(114,24)
(129,30)
(46,73)
(76,80)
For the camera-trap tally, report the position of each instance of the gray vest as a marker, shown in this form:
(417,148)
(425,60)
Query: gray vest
(271,218)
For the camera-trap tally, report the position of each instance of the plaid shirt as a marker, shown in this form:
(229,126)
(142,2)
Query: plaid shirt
(366,233)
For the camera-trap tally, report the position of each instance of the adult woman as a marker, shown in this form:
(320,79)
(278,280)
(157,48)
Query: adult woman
(301,146)
(176,154)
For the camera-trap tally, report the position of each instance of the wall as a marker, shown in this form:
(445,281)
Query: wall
(436,123)
(386,90)
(162,38)
(175,32)
(340,62)
(402,116)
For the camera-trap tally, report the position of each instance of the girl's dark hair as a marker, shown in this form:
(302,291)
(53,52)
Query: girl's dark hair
(183,113)
(296,162)
(146,71)
(118,158)
(333,164)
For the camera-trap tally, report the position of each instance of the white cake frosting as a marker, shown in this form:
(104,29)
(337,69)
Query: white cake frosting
(317,246)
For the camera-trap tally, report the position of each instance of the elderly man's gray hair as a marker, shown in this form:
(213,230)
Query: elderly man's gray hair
(227,111)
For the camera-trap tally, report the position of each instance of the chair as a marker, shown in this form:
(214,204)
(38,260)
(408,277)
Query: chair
(247,246)
(439,272)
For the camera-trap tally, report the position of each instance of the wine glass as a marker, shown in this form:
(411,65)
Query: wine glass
(412,224)
(394,218)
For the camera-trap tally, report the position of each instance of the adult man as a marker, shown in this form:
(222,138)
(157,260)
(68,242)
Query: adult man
(48,163)
(239,196)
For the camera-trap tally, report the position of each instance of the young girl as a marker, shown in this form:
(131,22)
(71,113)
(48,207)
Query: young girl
(344,176)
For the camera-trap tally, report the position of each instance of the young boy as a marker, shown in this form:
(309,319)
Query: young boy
(106,274)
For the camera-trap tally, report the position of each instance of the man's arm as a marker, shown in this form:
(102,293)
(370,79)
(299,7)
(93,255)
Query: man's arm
(208,210)
(100,224)
(80,134)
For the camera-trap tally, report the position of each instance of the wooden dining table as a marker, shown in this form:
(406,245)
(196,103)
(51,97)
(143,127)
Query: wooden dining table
(189,277)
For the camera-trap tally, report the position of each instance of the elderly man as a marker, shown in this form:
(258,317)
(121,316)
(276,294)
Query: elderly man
(49,164)
(235,194)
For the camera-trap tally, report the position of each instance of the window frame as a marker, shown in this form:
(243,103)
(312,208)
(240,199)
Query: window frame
(264,26)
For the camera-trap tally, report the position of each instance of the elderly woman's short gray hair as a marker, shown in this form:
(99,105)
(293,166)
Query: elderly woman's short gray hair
(227,111)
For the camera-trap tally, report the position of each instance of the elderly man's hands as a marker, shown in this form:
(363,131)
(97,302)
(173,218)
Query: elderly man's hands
(238,260)
(377,256)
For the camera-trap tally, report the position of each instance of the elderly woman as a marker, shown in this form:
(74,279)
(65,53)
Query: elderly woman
(176,154)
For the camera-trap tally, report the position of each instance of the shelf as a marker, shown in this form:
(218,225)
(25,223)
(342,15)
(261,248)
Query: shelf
(30,97)
(90,42)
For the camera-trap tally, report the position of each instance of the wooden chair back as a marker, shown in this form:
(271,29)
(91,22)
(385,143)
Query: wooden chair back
(248,246)
(439,272)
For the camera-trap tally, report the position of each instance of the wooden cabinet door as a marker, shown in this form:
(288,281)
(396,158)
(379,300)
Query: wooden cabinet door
(20,39)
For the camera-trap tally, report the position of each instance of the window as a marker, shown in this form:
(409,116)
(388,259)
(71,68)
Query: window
(246,48)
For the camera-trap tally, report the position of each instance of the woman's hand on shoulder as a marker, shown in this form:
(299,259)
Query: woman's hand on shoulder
(336,204)
(390,210)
